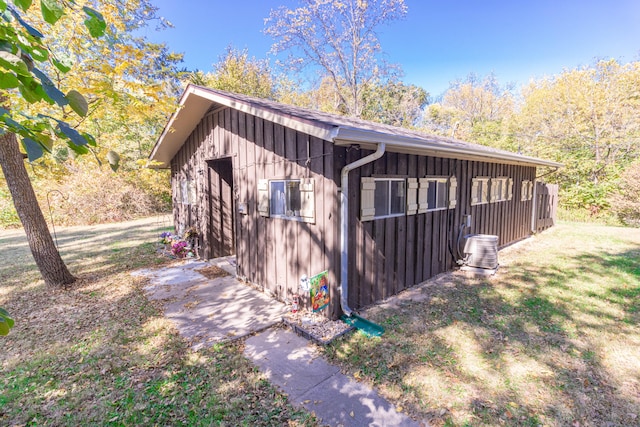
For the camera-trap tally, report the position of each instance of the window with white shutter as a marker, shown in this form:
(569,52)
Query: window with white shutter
(382,198)
(479,190)
(412,196)
(287,199)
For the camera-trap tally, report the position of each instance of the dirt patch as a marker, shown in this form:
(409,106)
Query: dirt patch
(212,272)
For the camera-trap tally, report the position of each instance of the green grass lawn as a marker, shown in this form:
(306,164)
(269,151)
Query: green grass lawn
(553,339)
(101,354)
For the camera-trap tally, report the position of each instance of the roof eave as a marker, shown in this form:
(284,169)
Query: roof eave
(187,117)
(370,139)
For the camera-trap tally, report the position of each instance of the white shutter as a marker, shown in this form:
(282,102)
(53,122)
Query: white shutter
(474,191)
(453,192)
(263,197)
(494,189)
(509,188)
(307,200)
(367,199)
(412,196)
(423,190)
(525,191)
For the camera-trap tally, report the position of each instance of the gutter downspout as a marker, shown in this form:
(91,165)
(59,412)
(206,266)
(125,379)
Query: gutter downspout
(344,224)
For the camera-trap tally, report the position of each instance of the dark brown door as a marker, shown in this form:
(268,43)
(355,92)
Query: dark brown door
(221,226)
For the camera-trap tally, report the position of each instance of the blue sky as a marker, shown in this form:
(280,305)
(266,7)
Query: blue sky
(438,41)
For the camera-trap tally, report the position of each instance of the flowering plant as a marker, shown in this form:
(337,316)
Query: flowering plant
(190,233)
(179,248)
(166,238)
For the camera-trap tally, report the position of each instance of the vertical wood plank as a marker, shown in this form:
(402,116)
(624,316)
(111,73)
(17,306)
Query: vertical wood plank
(270,255)
(400,264)
(390,236)
(410,245)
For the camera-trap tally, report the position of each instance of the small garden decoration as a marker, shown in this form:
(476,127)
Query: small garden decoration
(180,249)
(166,238)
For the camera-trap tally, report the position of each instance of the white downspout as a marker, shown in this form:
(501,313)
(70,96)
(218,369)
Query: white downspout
(344,224)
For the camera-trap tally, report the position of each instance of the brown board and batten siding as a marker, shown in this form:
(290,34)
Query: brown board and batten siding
(271,252)
(227,146)
(391,254)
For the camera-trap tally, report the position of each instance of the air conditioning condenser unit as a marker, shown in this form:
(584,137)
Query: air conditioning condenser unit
(481,252)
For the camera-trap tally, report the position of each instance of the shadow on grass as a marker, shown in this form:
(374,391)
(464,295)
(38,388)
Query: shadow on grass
(101,353)
(527,347)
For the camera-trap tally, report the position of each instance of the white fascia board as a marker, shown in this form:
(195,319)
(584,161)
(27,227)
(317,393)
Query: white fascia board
(369,140)
(194,104)
(183,121)
(313,128)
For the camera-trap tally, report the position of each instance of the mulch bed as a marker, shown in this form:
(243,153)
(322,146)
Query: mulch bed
(315,327)
(212,272)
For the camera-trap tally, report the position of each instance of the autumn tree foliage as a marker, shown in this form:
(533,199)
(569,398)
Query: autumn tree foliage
(127,89)
(238,72)
(339,40)
(588,119)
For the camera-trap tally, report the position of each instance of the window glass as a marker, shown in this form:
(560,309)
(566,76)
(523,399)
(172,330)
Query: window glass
(398,195)
(381,198)
(432,193)
(278,200)
(442,194)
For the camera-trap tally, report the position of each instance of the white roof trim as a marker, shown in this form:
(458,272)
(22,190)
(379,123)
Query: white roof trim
(405,144)
(196,101)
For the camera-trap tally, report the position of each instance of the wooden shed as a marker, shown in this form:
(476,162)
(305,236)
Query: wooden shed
(293,192)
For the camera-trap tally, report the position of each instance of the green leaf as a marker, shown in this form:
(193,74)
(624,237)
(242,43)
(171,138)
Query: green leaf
(62,65)
(23,4)
(6,322)
(78,103)
(51,11)
(8,80)
(90,139)
(78,149)
(39,53)
(12,62)
(33,148)
(3,5)
(73,135)
(50,89)
(4,327)
(95,22)
(5,117)
(29,93)
(114,160)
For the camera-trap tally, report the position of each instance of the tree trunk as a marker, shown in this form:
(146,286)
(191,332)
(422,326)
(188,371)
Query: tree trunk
(53,269)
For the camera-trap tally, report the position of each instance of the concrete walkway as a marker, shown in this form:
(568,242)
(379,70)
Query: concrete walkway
(294,365)
(207,311)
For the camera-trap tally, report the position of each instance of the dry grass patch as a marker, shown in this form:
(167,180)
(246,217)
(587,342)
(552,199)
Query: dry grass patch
(100,353)
(553,339)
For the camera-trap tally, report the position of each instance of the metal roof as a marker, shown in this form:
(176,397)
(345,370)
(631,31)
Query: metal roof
(341,130)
